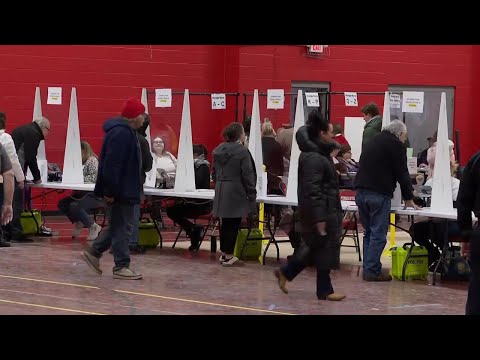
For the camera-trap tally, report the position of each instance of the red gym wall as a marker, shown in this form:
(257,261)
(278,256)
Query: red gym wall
(105,76)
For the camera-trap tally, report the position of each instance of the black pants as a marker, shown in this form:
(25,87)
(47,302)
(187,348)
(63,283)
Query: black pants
(473,299)
(228,234)
(181,212)
(304,255)
(14,229)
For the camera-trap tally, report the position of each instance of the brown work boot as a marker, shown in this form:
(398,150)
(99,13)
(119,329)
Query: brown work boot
(282,280)
(380,277)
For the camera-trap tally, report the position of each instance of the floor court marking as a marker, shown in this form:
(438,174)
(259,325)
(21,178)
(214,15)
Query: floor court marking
(51,307)
(92,302)
(49,282)
(204,302)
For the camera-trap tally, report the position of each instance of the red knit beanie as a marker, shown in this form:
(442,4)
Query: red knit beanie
(133,108)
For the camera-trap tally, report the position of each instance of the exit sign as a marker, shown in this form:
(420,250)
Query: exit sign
(315,49)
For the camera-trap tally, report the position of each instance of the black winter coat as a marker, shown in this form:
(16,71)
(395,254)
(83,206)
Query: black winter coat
(318,197)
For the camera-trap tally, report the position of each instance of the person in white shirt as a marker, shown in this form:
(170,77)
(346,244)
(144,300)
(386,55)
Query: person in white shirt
(9,148)
(163,161)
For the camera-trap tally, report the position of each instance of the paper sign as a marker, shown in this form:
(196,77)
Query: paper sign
(351,99)
(412,165)
(219,101)
(163,97)
(409,152)
(412,102)
(54,96)
(275,98)
(395,101)
(312,99)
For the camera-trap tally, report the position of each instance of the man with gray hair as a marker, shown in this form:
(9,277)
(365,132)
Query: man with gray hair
(27,138)
(382,164)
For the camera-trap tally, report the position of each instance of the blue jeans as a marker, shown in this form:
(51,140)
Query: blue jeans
(75,207)
(133,241)
(374,211)
(116,235)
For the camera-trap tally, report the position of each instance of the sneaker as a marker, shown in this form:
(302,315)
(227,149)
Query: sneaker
(127,274)
(93,232)
(221,259)
(232,261)
(282,280)
(91,261)
(77,230)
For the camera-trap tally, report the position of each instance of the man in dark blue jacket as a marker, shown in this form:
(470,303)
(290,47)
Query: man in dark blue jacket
(119,184)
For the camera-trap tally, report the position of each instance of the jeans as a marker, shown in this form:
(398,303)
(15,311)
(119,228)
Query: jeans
(75,207)
(374,211)
(133,241)
(116,235)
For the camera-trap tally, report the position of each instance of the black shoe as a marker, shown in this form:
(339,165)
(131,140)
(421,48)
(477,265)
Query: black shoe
(4,243)
(22,240)
(194,247)
(136,249)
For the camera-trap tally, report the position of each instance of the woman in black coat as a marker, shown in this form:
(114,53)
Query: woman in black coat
(319,208)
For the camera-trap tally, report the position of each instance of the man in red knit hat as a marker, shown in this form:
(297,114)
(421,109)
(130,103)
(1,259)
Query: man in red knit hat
(119,184)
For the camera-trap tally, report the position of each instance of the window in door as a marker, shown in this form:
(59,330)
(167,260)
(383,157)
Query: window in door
(422,126)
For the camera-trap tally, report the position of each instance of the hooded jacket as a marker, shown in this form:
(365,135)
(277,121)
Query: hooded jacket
(120,165)
(235,181)
(319,197)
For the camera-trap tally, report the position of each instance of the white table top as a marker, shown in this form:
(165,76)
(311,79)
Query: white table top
(270,199)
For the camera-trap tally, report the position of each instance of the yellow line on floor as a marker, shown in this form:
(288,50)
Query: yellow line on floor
(49,281)
(204,302)
(51,307)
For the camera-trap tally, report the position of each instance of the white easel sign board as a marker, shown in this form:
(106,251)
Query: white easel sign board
(412,102)
(312,99)
(275,98)
(163,98)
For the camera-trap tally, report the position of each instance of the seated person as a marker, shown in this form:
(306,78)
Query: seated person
(164,162)
(272,158)
(346,166)
(344,156)
(76,205)
(420,231)
(186,209)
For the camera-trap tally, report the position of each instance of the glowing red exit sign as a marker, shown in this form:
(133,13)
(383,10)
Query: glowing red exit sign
(316,49)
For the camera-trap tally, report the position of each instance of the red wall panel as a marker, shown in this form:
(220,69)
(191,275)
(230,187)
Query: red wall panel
(105,76)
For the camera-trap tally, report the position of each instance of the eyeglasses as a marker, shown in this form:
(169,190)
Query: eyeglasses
(158,142)
(46,127)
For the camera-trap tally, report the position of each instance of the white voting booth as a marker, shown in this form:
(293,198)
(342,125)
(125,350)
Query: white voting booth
(72,163)
(442,179)
(295,153)
(185,175)
(255,146)
(151,177)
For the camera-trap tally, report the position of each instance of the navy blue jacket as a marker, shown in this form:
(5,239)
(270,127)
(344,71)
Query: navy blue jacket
(120,165)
